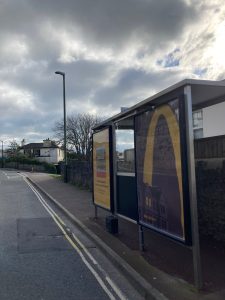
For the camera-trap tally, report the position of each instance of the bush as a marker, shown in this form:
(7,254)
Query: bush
(24,160)
(50,168)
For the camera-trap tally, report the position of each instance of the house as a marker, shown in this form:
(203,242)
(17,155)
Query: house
(48,151)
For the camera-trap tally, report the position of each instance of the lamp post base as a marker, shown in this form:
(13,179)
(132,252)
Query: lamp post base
(65,173)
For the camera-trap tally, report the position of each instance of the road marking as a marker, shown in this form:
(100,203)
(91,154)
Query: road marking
(11,175)
(5,174)
(60,222)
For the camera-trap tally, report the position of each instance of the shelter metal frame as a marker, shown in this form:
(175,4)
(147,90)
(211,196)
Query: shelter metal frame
(197,94)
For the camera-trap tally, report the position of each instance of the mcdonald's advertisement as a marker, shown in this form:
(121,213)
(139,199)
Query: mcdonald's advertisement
(159,170)
(101,169)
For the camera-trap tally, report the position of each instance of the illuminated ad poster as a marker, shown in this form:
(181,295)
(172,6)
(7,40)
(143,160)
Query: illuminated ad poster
(159,170)
(101,169)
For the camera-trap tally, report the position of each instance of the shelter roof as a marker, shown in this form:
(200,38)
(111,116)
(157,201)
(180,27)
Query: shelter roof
(203,92)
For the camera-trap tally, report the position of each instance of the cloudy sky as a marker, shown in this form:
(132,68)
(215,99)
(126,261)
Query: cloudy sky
(114,53)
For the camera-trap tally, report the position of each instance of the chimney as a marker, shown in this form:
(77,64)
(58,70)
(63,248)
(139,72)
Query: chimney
(47,143)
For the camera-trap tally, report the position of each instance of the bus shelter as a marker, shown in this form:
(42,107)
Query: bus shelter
(144,164)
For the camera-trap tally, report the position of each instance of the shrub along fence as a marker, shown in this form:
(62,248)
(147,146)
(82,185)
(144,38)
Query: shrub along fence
(25,167)
(27,164)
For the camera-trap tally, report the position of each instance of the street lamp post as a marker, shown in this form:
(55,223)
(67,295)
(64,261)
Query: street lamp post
(64,113)
(2,154)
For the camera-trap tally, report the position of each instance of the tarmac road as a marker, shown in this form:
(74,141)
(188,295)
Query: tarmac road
(43,256)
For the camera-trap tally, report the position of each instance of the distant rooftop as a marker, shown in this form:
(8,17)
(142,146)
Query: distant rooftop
(39,145)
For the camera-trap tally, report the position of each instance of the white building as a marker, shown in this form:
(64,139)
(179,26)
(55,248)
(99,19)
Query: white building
(47,151)
(209,121)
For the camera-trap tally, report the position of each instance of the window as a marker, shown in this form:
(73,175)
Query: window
(198,133)
(198,124)
(36,152)
(197,119)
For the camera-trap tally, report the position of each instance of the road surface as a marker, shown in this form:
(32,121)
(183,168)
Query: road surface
(44,256)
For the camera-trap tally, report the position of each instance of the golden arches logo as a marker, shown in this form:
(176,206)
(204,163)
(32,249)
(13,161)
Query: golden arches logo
(168,114)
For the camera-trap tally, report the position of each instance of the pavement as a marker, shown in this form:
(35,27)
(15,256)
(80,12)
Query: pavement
(148,271)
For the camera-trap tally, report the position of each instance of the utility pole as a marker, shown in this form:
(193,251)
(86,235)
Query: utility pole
(64,118)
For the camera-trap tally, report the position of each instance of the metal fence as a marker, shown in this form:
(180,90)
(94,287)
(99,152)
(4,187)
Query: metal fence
(212,147)
(79,173)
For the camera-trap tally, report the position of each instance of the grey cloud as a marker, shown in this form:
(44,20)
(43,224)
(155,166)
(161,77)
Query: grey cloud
(136,85)
(28,125)
(116,22)
(33,44)
(103,23)
(82,79)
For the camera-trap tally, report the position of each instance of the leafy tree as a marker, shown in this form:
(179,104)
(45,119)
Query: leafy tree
(79,130)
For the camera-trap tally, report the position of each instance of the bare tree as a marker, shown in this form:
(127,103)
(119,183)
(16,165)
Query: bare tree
(78,133)
(13,148)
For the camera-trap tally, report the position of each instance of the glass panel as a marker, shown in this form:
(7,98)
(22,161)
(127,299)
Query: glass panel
(125,150)
(125,146)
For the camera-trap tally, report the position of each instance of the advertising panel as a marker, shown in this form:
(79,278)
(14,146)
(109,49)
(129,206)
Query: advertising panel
(101,169)
(159,170)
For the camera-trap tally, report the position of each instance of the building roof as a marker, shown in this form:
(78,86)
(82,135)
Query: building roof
(39,145)
(203,92)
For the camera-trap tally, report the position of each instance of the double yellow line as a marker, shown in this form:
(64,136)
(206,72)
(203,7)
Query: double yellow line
(65,231)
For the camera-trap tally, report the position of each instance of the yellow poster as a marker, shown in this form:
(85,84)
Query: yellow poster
(101,169)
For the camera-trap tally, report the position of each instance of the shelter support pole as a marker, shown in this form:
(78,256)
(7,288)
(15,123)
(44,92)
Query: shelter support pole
(114,159)
(192,190)
(141,238)
(96,212)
